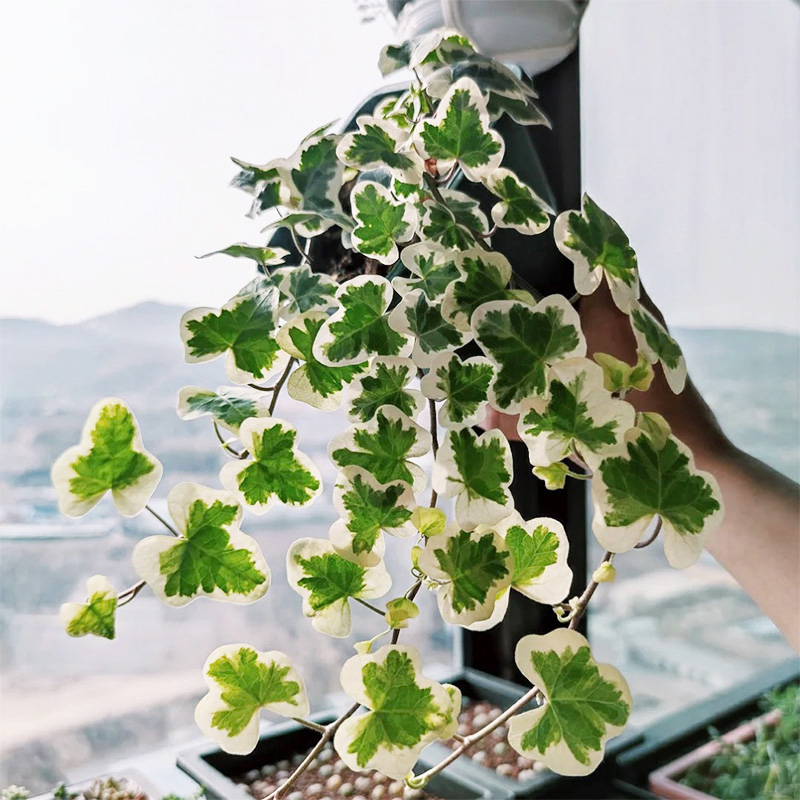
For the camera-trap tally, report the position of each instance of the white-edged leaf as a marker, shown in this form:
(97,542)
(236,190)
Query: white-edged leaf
(97,615)
(520,207)
(212,557)
(110,456)
(477,471)
(381,222)
(303,290)
(278,471)
(472,569)
(432,271)
(384,383)
(463,385)
(263,256)
(657,345)
(241,681)
(586,703)
(326,582)
(454,223)
(380,143)
(229,406)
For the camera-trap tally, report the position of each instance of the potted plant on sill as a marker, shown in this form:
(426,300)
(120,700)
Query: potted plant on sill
(420,290)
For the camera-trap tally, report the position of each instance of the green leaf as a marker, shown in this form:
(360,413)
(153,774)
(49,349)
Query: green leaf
(440,46)
(241,681)
(483,278)
(656,345)
(380,222)
(360,329)
(394,57)
(578,413)
(96,615)
(109,457)
(378,143)
(383,447)
(477,471)
(313,382)
(521,109)
(490,76)
(619,376)
(263,256)
(540,548)
(586,703)
(432,271)
(304,290)
(597,246)
(629,492)
(459,131)
(278,473)
(463,385)
(212,558)
(554,476)
(384,384)
(326,582)
(244,329)
(473,569)
(454,224)
(406,711)
(367,508)
(416,316)
(523,341)
(269,184)
(520,207)
(228,406)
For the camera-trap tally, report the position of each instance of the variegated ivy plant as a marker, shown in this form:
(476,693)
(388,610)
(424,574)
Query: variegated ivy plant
(387,340)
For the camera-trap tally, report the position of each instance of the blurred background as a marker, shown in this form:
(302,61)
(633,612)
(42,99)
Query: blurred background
(120,118)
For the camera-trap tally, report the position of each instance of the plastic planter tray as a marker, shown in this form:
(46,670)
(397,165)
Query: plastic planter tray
(214,769)
(683,731)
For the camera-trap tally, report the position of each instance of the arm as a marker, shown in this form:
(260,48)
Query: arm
(759,539)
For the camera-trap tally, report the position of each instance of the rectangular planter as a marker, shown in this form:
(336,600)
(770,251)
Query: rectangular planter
(215,769)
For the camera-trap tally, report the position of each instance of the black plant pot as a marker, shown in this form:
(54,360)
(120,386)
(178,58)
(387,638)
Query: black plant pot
(684,730)
(215,769)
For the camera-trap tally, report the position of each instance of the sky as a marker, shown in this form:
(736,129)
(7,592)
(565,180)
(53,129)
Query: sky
(121,117)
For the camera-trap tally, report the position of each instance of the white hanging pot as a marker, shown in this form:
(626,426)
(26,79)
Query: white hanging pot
(536,34)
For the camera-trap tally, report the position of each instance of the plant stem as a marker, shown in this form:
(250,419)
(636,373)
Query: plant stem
(279,385)
(330,731)
(163,521)
(303,255)
(369,606)
(315,726)
(651,538)
(434,427)
(225,446)
(123,598)
(468,741)
(584,599)
(261,388)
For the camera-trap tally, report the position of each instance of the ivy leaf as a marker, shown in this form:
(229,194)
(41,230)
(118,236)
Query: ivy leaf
(432,271)
(241,681)
(521,109)
(473,568)
(463,385)
(416,316)
(313,382)
(459,131)
(440,46)
(367,508)
(484,277)
(383,447)
(378,143)
(326,582)
(229,407)
(520,207)
(523,341)
(263,256)
(269,184)
(597,246)
(406,711)
(586,703)
(303,290)
(656,345)
(110,456)
(278,473)
(394,57)
(212,558)
(619,376)
(453,224)
(360,329)
(540,548)
(629,492)
(490,76)
(96,615)
(578,412)
(244,329)
(384,384)
(380,222)
(554,476)
(477,471)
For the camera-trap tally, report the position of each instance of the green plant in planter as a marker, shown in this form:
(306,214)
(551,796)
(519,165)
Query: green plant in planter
(422,281)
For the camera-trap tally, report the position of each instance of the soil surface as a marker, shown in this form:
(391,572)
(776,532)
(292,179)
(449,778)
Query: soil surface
(494,751)
(327,779)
